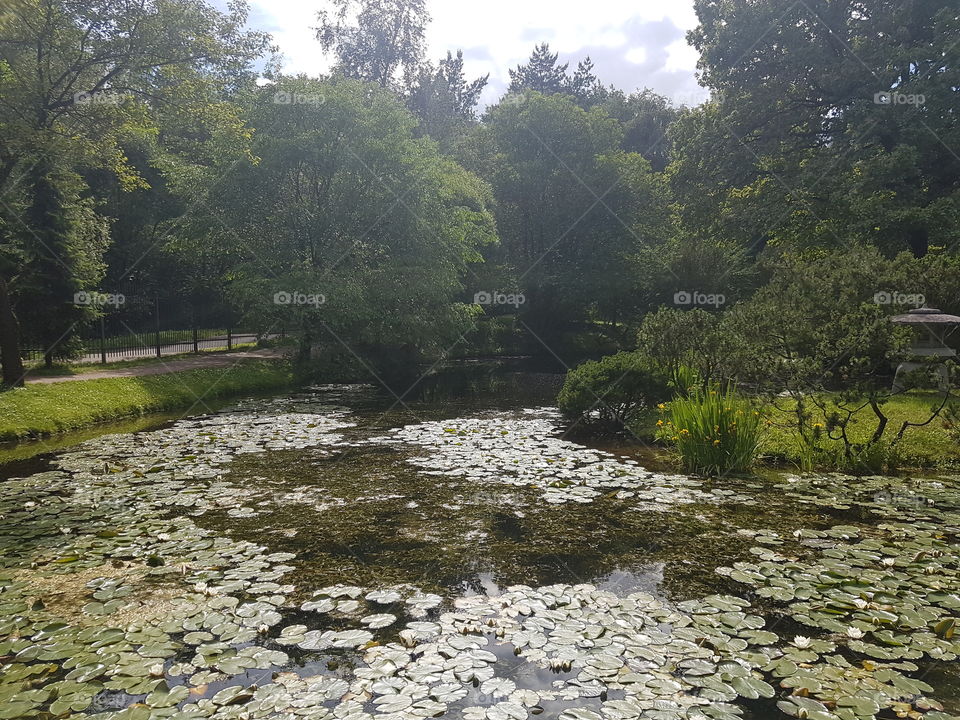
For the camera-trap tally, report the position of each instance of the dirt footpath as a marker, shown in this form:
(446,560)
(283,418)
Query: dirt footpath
(162,367)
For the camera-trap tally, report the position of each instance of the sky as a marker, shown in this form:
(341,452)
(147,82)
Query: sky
(633,43)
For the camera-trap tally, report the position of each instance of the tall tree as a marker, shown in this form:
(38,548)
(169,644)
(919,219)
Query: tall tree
(77,80)
(646,118)
(541,73)
(841,115)
(443,99)
(374,40)
(571,205)
(347,204)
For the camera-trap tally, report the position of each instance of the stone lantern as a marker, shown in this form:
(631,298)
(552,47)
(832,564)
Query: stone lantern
(931,327)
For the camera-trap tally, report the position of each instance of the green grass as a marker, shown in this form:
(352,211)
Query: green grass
(42,410)
(921,447)
(925,447)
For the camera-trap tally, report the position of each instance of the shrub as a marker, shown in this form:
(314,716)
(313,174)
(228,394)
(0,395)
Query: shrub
(610,392)
(715,431)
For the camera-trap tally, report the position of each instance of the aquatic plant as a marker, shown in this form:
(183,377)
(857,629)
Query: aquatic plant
(715,430)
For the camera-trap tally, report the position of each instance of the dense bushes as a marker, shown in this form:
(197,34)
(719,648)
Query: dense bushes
(610,392)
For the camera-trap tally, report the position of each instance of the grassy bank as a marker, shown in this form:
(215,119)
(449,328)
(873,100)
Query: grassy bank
(41,410)
(921,447)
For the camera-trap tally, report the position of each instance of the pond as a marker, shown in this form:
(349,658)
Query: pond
(344,553)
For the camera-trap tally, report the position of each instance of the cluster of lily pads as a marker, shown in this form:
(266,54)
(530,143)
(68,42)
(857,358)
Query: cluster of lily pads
(116,605)
(614,657)
(527,452)
(109,591)
(884,597)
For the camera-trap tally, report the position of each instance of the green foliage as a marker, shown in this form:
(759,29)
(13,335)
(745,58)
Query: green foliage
(690,344)
(798,151)
(545,156)
(715,431)
(609,393)
(374,40)
(347,206)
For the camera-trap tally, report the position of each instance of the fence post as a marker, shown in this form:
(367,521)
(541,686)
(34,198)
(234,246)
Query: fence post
(157,305)
(229,338)
(103,340)
(196,334)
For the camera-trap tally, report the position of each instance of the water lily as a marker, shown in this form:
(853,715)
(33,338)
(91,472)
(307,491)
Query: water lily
(801,642)
(855,633)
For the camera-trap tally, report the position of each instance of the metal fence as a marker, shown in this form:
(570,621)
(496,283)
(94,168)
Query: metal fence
(149,327)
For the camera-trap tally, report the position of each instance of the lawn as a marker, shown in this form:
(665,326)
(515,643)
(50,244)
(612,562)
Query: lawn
(921,447)
(46,409)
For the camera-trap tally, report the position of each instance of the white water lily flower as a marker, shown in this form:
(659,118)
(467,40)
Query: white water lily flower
(860,603)
(801,642)
(156,670)
(888,562)
(855,633)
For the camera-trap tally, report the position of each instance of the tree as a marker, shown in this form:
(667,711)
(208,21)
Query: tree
(585,86)
(78,81)
(571,206)
(443,99)
(541,73)
(374,40)
(831,123)
(646,118)
(348,229)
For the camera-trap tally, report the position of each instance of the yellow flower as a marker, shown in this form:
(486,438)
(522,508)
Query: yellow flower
(661,406)
(818,425)
(684,432)
(659,423)
(716,442)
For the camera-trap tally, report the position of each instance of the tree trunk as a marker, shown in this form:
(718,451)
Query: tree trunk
(9,341)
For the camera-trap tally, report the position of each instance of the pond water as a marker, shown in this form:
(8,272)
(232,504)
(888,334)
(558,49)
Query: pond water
(342,553)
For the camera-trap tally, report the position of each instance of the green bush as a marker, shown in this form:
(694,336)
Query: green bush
(715,431)
(610,392)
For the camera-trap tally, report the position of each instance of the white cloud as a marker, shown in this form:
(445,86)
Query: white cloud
(634,43)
